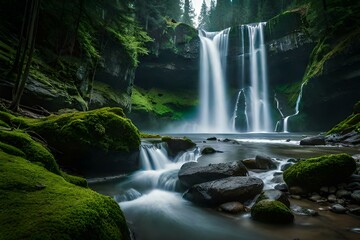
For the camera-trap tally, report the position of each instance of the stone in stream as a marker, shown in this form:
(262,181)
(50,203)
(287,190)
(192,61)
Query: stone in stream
(303,211)
(271,211)
(337,208)
(315,140)
(332,198)
(356,196)
(273,194)
(190,175)
(264,162)
(225,190)
(177,145)
(208,150)
(211,139)
(342,193)
(281,187)
(232,207)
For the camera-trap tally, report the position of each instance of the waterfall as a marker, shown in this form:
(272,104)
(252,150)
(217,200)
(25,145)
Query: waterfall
(296,109)
(213,110)
(153,156)
(260,107)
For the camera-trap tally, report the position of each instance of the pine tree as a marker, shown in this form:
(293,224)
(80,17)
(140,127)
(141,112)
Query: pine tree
(189,13)
(203,17)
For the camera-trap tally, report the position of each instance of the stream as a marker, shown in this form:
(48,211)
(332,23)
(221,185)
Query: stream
(152,202)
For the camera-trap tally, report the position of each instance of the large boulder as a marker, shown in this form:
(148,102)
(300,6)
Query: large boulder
(38,204)
(177,145)
(195,174)
(264,162)
(313,173)
(271,211)
(225,190)
(93,143)
(314,140)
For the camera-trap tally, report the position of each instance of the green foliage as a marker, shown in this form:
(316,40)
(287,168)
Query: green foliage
(37,204)
(173,105)
(351,123)
(21,143)
(313,173)
(149,135)
(271,211)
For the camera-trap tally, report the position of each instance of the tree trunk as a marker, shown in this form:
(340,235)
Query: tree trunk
(77,24)
(34,18)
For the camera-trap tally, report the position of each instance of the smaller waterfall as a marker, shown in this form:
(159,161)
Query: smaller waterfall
(154,156)
(296,109)
(277,126)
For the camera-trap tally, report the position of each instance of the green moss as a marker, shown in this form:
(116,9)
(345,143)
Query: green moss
(163,103)
(313,173)
(11,150)
(208,150)
(78,181)
(149,135)
(351,123)
(271,211)
(37,204)
(34,151)
(105,128)
(290,91)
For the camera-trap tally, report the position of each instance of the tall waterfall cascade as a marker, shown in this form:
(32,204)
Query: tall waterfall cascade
(213,114)
(251,112)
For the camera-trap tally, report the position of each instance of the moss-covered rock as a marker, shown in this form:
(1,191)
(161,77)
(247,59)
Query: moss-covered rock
(38,204)
(101,140)
(97,142)
(19,143)
(351,123)
(208,150)
(271,211)
(313,173)
(273,194)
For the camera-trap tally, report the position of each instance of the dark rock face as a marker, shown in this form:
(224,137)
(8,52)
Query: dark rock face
(208,150)
(191,175)
(316,140)
(225,190)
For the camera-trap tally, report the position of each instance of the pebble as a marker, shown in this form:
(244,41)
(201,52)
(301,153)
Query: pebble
(356,196)
(332,198)
(295,197)
(315,197)
(340,201)
(332,189)
(232,207)
(343,193)
(324,189)
(337,208)
(281,187)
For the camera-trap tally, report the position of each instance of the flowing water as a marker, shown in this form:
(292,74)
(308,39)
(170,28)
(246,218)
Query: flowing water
(152,202)
(286,119)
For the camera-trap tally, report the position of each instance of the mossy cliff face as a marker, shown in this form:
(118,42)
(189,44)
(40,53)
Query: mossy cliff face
(313,173)
(97,142)
(38,204)
(167,79)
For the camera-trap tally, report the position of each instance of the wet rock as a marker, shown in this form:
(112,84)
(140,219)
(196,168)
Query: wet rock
(271,211)
(277,179)
(226,140)
(342,193)
(211,139)
(292,160)
(177,145)
(324,189)
(288,140)
(297,197)
(340,201)
(225,190)
(356,196)
(249,163)
(281,187)
(264,162)
(332,189)
(354,178)
(353,186)
(273,194)
(355,211)
(190,175)
(232,207)
(332,198)
(285,166)
(315,197)
(208,150)
(315,140)
(277,174)
(297,190)
(303,211)
(337,208)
